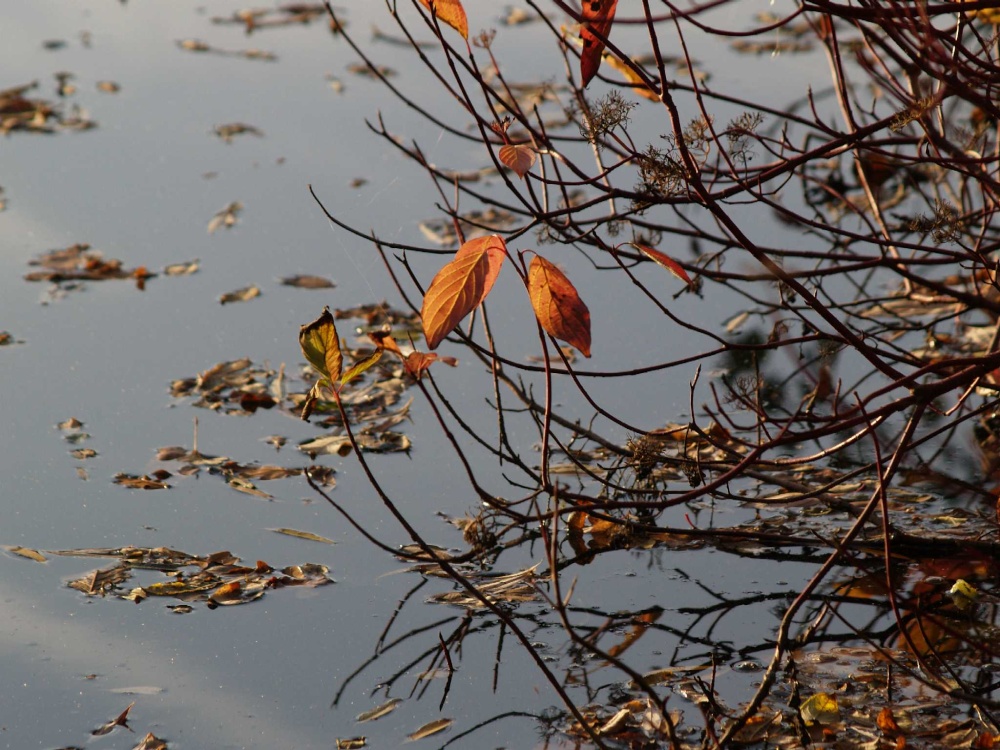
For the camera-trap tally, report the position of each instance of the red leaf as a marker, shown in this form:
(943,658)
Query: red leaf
(520,158)
(598,15)
(450,12)
(666,261)
(557,305)
(496,251)
(456,291)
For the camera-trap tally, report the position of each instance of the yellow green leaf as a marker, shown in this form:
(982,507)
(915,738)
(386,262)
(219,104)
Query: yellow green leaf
(321,346)
(360,367)
(820,709)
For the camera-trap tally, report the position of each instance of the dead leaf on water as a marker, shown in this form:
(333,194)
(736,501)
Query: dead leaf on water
(133,482)
(230,130)
(227,217)
(308,282)
(247,487)
(30,554)
(120,721)
(304,535)
(83,453)
(151,742)
(137,690)
(240,295)
(430,728)
(108,87)
(379,711)
(70,424)
(182,269)
(351,743)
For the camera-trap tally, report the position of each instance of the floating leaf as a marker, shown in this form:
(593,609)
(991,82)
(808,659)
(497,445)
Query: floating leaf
(557,305)
(242,485)
(886,722)
(321,346)
(456,290)
(308,282)
(30,554)
(304,535)
(666,261)
(351,743)
(120,721)
(518,157)
(431,727)
(228,131)
(379,711)
(240,295)
(182,269)
(137,690)
(151,742)
(451,12)
(144,482)
(598,15)
(820,709)
(227,217)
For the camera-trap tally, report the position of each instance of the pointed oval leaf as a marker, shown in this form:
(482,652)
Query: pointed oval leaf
(431,727)
(450,12)
(321,346)
(496,251)
(518,157)
(361,366)
(558,306)
(598,15)
(379,711)
(666,261)
(455,292)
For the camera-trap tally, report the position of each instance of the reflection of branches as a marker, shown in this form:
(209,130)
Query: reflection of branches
(868,327)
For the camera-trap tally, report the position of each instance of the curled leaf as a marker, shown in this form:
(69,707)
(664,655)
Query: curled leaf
(666,261)
(558,306)
(321,346)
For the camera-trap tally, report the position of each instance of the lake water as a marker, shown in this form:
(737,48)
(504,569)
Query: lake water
(142,187)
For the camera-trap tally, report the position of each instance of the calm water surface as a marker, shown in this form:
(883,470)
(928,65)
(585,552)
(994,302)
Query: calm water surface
(141,187)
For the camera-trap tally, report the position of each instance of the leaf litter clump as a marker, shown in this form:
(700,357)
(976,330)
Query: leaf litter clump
(214,580)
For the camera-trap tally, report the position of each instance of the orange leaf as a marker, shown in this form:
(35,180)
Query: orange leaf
(887,722)
(456,291)
(520,158)
(451,12)
(598,15)
(557,305)
(666,261)
(384,340)
(496,251)
(417,362)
